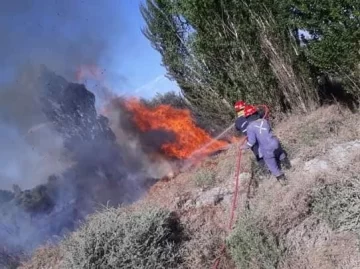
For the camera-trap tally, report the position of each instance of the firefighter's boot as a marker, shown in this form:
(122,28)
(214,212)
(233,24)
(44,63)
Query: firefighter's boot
(282,180)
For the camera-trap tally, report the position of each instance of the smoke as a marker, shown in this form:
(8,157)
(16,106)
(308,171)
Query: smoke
(143,146)
(99,166)
(59,33)
(30,149)
(62,34)
(56,148)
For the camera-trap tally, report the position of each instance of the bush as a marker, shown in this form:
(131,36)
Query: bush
(116,238)
(204,178)
(45,257)
(253,246)
(339,204)
(202,250)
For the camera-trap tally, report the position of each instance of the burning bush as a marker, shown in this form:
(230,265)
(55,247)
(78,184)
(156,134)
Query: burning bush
(201,117)
(103,165)
(114,238)
(186,136)
(99,170)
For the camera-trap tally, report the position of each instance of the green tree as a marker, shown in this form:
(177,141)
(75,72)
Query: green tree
(222,51)
(172,35)
(333,48)
(228,50)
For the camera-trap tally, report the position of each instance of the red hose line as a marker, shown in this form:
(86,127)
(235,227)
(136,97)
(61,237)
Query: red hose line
(234,201)
(266,109)
(236,191)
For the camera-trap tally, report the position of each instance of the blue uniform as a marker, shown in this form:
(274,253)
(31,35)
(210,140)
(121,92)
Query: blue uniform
(259,132)
(241,124)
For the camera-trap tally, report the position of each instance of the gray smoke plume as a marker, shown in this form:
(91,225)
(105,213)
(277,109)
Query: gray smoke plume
(59,160)
(31,150)
(59,33)
(100,170)
(63,35)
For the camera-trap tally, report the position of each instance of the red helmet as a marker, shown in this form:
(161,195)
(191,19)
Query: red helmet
(239,105)
(249,110)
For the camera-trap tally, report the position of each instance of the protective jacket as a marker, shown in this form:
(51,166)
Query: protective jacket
(259,132)
(241,124)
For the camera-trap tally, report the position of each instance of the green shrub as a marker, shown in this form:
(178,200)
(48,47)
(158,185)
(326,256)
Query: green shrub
(339,204)
(114,238)
(204,178)
(253,246)
(202,250)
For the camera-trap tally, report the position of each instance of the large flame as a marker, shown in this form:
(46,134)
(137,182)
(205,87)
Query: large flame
(188,137)
(190,140)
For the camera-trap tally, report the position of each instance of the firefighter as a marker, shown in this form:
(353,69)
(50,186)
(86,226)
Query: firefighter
(241,124)
(259,132)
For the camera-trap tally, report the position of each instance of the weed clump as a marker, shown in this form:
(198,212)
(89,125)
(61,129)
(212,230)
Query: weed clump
(205,178)
(114,238)
(339,204)
(254,246)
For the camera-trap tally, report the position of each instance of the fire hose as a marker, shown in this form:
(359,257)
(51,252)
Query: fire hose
(266,110)
(234,201)
(236,190)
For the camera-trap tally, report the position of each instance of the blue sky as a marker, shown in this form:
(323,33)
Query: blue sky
(63,34)
(141,64)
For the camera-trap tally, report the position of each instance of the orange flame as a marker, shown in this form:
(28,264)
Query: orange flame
(189,137)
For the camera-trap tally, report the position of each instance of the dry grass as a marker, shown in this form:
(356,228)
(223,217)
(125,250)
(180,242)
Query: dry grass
(306,137)
(313,244)
(46,257)
(226,165)
(119,238)
(204,178)
(311,217)
(317,212)
(206,227)
(253,245)
(338,204)
(311,223)
(286,213)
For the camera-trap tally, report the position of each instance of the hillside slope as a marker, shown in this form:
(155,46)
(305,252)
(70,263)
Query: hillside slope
(310,223)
